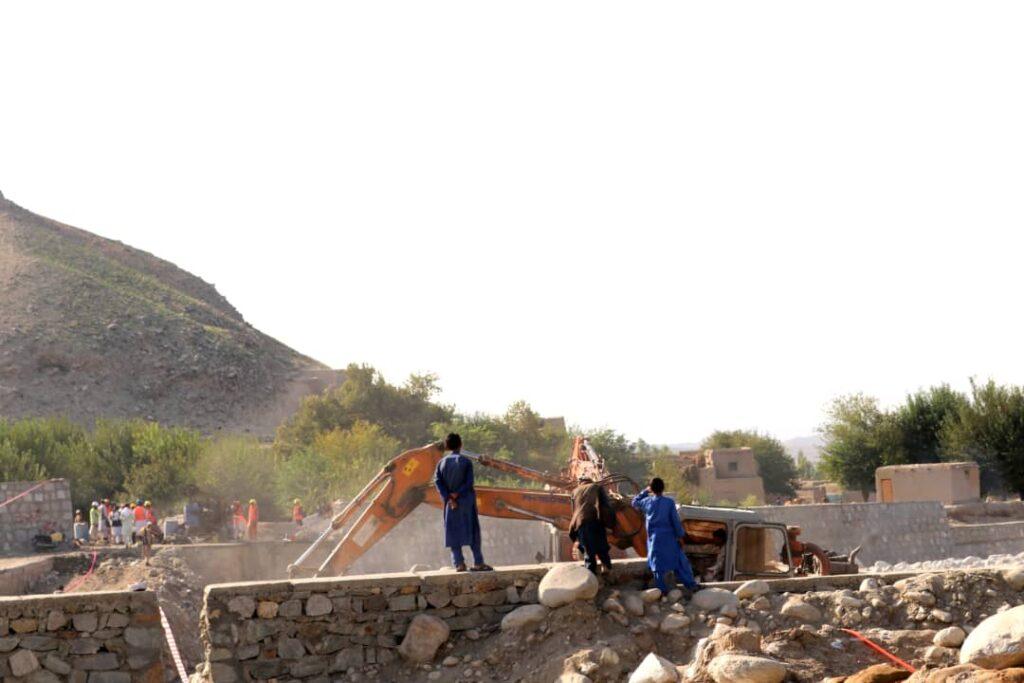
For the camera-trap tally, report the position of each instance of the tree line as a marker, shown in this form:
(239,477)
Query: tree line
(334,443)
(938,424)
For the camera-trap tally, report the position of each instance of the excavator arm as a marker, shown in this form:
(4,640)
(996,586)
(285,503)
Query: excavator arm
(407,481)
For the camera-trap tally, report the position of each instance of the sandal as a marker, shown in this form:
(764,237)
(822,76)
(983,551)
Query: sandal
(460,567)
(481,568)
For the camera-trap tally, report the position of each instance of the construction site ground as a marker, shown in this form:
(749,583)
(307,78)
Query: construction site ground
(797,622)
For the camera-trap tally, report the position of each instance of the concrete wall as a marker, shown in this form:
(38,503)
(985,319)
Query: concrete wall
(419,539)
(45,510)
(948,483)
(316,627)
(85,638)
(732,490)
(889,532)
(19,575)
(981,540)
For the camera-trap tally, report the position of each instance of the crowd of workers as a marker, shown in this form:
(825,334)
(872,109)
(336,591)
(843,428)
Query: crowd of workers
(592,517)
(244,521)
(112,523)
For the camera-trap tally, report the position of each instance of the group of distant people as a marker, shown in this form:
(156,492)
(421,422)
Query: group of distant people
(123,523)
(592,516)
(244,523)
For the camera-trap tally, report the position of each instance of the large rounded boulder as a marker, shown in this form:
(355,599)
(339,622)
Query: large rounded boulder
(566,583)
(997,642)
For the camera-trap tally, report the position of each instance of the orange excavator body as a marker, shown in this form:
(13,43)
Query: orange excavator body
(407,481)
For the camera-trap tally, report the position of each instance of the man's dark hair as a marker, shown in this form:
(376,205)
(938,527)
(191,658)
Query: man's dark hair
(657,485)
(453,442)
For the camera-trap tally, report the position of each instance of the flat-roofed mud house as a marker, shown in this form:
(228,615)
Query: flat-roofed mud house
(725,474)
(946,482)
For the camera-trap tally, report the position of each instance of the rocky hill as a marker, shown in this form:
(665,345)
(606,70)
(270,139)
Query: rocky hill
(92,328)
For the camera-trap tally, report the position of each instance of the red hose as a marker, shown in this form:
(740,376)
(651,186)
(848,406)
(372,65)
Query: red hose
(879,649)
(73,586)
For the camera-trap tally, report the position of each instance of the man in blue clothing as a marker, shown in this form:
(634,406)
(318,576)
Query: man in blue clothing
(454,481)
(664,532)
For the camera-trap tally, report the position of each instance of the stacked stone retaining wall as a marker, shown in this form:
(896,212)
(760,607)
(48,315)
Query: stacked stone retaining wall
(313,628)
(43,511)
(112,637)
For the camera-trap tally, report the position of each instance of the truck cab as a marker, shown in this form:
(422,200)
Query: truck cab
(729,544)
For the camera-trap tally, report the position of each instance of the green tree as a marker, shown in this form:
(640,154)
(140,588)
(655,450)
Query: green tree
(19,466)
(115,458)
(857,436)
(337,465)
(621,455)
(520,435)
(675,483)
(918,425)
(237,468)
(776,466)
(990,430)
(805,469)
(405,413)
(164,463)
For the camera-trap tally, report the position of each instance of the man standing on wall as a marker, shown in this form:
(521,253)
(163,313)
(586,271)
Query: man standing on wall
(454,481)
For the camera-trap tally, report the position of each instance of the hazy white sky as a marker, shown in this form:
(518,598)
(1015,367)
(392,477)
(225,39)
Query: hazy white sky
(664,217)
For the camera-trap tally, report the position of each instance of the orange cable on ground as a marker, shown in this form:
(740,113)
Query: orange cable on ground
(73,586)
(879,649)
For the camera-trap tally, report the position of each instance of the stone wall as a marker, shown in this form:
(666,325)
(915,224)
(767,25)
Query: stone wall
(888,532)
(45,510)
(85,638)
(322,627)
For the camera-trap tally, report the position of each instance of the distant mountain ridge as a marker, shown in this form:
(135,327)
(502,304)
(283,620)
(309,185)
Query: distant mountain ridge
(810,445)
(91,328)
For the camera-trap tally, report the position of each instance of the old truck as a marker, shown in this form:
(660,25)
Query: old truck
(732,544)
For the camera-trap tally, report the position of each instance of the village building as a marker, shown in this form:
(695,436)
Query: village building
(724,474)
(947,482)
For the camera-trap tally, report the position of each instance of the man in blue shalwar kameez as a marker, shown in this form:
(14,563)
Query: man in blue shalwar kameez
(454,481)
(664,532)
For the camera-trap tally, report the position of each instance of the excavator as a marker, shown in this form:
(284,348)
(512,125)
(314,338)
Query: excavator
(752,547)
(407,481)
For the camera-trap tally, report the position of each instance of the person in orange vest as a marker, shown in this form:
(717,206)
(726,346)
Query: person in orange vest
(254,519)
(140,519)
(148,513)
(298,514)
(150,533)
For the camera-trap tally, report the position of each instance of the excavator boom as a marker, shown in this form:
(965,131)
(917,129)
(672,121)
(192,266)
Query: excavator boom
(407,481)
